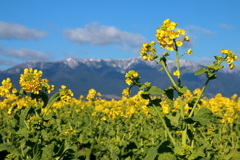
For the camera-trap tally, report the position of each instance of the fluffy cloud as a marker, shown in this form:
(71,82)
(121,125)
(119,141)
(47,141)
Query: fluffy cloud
(226,26)
(205,32)
(17,31)
(24,53)
(95,34)
(4,62)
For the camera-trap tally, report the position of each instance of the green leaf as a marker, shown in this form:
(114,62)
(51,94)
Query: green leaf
(200,71)
(49,116)
(153,151)
(167,156)
(24,113)
(37,151)
(178,149)
(3,147)
(203,116)
(154,91)
(45,99)
(168,95)
(174,119)
(53,99)
(23,132)
(183,90)
(211,75)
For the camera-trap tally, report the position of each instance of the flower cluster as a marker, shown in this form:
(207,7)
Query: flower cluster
(131,76)
(65,93)
(147,52)
(92,93)
(6,87)
(30,81)
(166,35)
(230,57)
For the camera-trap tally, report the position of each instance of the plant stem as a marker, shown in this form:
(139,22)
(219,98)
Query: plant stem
(195,105)
(164,124)
(169,76)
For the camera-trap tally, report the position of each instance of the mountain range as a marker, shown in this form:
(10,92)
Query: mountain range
(107,75)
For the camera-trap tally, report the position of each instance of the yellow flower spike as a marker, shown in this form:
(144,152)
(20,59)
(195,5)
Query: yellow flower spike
(231,66)
(179,43)
(186,38)
(166,54)
(189,52)
(176,73)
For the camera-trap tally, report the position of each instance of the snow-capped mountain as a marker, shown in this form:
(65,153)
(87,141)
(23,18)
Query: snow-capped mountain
(121,65)
(107,75)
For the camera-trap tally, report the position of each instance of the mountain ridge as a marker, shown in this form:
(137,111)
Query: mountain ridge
(107,75)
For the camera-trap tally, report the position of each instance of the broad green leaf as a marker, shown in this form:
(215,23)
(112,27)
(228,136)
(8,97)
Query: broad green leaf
(24,113)
(200,71)
(45,99)
(211,75)
(178,149)
(183,90)
(53,99)
(49,116)
(153,151)
(154,91)
(166,156)
(203,116)
(168,95)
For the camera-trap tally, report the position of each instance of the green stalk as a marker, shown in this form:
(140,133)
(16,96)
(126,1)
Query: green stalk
(184,133)
(164,124)
(169,76)
(195,105)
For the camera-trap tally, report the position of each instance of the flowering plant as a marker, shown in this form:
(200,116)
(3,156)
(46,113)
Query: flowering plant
(188,118)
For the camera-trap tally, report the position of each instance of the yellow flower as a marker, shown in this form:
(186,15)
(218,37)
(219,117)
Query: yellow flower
(166,21)
(186,38)
(197,91)
(181,31)
(224,51)
(166,54)
(235,58)
(189,52)
(128,81)
(145,57)
(179,43)
(229,60)
(152,43)
(135,74)
(176,73)
(103,118)
(231,66)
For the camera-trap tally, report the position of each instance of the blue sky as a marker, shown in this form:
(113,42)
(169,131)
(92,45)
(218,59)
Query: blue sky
(53,30)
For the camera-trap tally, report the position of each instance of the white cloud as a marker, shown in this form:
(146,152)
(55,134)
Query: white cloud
(23,53)
(203,60)
(226,26)
(207,33)
(17,31)
(4,62)
(95,34)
